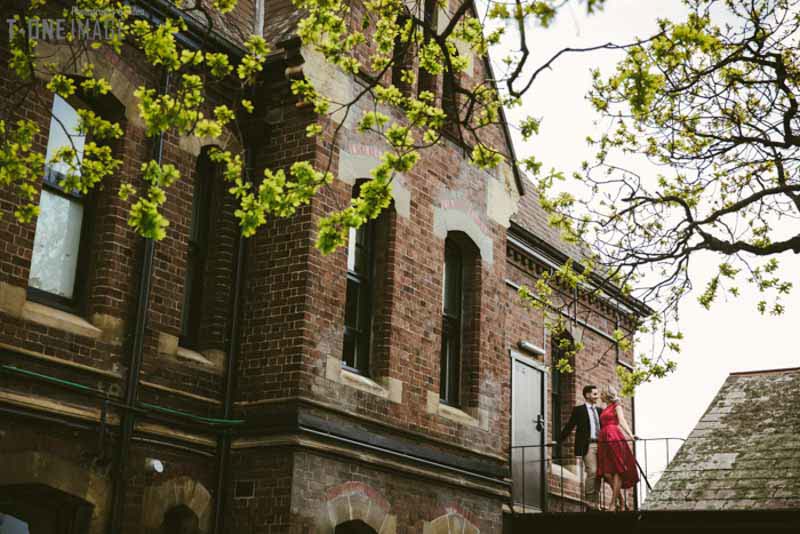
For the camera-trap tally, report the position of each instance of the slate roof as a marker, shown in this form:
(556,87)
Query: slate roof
(744,452)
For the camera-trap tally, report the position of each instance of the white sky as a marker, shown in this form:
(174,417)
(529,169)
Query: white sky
(731,337)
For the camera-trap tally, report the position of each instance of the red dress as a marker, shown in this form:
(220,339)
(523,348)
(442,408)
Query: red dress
(613,453)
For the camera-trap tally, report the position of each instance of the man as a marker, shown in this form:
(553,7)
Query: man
(586,417)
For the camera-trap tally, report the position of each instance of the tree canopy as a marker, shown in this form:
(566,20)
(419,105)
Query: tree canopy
(711,100)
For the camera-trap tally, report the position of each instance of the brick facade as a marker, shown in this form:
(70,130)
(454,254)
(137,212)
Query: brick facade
(312,445)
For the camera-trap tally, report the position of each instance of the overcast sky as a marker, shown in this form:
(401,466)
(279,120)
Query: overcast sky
(731,337)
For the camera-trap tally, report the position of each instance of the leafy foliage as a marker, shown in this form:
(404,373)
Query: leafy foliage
(715,103)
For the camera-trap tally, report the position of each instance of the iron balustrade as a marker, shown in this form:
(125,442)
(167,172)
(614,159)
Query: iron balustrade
(538,477)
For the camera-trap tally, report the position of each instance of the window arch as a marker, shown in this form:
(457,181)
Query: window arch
(460,321)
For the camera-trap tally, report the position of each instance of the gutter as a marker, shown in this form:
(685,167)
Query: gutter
(137,352)
(224,438)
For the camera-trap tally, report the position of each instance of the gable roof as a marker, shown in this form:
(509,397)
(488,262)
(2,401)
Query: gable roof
(744,452)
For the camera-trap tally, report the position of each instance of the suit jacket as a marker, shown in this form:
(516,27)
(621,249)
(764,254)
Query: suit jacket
(579,419)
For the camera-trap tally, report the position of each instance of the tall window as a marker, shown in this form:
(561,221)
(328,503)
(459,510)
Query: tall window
(402,57)
(198,254)
(450,101)
(560,387)
(60,244)
(425,80)
(452,313)
(358,305)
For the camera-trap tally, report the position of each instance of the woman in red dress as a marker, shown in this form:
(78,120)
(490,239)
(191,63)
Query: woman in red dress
(615,461)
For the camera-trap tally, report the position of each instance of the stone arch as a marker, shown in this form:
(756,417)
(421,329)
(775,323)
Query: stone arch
(170,494)
(121,86)
(451,522)
(448,220)
(352,506)
(44,469)
(180,520)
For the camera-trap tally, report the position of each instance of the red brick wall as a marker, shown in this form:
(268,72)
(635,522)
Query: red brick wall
(410,500)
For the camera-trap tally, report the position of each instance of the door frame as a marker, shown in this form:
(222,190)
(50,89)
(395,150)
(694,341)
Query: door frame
(514,357)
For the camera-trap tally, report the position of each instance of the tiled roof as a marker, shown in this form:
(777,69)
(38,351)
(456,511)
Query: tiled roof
(744,452)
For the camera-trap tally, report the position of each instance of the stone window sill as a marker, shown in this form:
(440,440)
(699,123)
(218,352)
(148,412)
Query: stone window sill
(451,413)
(459,416)
(59,320)
(391,389)
(192,356)
(211,360)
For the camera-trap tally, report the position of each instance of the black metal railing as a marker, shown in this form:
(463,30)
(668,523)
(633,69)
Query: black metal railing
(544,483)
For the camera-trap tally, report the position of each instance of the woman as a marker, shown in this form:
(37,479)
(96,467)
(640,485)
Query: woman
(615,461)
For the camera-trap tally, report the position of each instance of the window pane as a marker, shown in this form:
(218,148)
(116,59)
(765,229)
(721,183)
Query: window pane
(351,306)
(452,282)
(349,352)
(58,138)
(351,250)
(362,250)
(450,372)
(56,245)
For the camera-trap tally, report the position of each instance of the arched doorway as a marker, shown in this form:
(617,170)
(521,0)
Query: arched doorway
(180,520)
(13,525)
(40,509)
(354,527)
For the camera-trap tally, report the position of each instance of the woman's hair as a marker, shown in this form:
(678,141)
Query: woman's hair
(610,394)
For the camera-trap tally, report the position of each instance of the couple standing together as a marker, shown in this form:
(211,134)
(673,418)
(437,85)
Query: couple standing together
(600,441)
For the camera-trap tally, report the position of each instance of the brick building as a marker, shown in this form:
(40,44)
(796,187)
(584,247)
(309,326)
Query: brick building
(206,383)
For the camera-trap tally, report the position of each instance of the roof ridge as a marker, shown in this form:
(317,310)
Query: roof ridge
(765,371)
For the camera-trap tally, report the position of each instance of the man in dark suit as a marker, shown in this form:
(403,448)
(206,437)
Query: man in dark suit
(586,417)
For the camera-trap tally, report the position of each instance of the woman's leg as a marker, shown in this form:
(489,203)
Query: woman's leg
(609,479)
(616,486)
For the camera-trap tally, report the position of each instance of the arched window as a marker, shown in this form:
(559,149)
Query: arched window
(194,299)
(460,314)
(360,294)
(450,101)
(402,56)
(425,80)
(354,527)
(62,245)
(61,242)
(562,388)
(453,289)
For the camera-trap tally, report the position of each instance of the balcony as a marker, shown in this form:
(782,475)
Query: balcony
(548,495)
(544,483)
